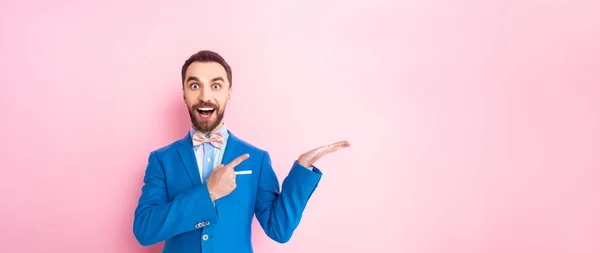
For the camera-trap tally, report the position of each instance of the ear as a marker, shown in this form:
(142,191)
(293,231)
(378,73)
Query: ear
(228,96)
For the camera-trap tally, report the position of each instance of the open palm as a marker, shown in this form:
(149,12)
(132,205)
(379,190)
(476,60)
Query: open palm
(309,158)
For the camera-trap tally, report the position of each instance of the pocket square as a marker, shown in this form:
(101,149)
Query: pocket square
(243,172)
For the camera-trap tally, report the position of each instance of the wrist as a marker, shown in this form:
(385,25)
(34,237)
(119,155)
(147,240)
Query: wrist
(303,164)
(212,194)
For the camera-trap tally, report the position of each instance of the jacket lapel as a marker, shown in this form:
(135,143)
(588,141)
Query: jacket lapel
(186,152)
(231,149)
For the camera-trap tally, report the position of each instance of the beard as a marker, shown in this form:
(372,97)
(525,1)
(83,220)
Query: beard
(204,125)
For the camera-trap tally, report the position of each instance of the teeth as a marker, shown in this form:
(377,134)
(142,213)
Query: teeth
(206,109)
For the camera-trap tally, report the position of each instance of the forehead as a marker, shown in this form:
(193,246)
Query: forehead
(206,70)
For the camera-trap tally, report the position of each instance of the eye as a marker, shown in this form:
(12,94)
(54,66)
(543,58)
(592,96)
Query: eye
(216,86)
(195,86)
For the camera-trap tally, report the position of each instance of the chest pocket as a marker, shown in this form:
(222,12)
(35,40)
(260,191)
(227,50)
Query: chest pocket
(244,179)
(245,189)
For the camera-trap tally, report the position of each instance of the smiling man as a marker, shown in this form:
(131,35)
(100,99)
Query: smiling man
(202,191)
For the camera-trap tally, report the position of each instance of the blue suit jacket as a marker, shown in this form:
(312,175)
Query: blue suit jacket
(175,205)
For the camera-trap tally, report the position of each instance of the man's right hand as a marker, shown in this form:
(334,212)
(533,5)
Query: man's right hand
(221,181)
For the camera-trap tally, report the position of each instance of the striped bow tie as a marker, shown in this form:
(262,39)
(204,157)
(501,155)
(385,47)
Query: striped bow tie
(215,139)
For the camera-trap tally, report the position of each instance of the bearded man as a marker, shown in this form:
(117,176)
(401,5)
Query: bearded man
(202,191)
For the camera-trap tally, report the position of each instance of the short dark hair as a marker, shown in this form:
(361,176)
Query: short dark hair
(206,56)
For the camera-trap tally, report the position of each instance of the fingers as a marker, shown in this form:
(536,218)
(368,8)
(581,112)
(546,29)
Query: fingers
(334,147)
(219,168)
(339,145)
(238,160)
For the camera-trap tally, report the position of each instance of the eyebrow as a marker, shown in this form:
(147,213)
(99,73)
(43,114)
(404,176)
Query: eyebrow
(217,79)
(193,78)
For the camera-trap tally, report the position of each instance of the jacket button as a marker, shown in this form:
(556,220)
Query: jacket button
(205,237)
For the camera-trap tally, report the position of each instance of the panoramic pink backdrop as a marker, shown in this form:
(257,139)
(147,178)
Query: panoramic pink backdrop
(475,125)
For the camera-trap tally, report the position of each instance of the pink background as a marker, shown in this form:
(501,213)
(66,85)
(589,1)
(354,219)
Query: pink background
(474,125)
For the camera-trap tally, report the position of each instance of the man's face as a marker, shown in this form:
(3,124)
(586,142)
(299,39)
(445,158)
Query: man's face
(206,92)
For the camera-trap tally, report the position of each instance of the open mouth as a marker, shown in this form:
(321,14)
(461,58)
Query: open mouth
(205,112)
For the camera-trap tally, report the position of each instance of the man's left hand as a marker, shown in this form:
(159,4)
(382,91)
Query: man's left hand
(309,158)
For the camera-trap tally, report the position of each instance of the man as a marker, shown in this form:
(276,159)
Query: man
(201,192)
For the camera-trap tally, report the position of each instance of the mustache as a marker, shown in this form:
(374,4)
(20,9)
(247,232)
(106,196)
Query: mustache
(205,104)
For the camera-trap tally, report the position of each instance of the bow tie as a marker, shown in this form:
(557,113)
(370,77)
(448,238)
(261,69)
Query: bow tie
(215,139)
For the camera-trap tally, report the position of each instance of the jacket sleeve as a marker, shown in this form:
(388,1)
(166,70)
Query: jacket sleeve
(279,213)
(156,219)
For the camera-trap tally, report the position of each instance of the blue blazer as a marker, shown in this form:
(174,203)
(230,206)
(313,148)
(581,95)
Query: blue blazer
(175,206)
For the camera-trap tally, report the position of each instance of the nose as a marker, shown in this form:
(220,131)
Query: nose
(205,95)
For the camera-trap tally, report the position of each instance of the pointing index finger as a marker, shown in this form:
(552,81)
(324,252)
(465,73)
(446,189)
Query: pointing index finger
(238,160)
